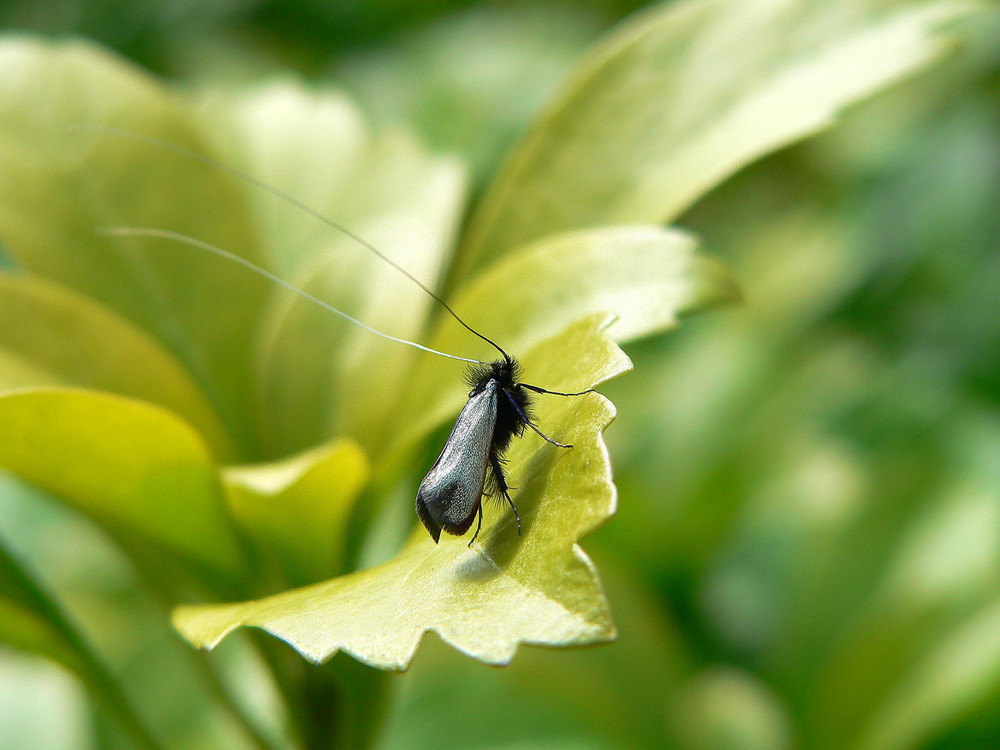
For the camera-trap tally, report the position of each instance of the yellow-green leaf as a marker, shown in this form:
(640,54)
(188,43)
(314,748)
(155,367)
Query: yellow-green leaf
(297,509)
(386,188)
(63,181)
(71,340)
(504,590)
(645,276)
(139,471)
(684,96)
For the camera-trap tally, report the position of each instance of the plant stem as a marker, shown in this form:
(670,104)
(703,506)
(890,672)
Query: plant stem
(74,650)
(345,701)
(228,703)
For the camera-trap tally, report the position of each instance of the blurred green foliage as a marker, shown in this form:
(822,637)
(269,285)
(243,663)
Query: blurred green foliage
(807,546)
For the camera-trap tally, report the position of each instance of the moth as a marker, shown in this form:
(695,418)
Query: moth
(471,462)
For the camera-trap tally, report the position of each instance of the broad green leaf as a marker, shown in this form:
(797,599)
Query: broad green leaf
(646,276)
(504,590)
(137,470)
(311,145)
(684,96)
(297,509)
(42,705)
(20,372)
(316,147)
(71,340)
(62,181)
(314,368)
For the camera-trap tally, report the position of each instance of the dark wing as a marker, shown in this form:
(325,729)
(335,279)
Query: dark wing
(449,495)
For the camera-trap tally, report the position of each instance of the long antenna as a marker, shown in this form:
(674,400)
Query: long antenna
(194,155)
(215,250)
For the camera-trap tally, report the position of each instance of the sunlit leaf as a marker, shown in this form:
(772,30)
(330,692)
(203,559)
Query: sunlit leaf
(313,367)
(297,509)
(683,96)
(137,470)
(643,275)
(504,590)
(71,340)
(62,181)
(647,276)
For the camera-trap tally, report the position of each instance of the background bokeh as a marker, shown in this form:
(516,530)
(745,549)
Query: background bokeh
(807,547)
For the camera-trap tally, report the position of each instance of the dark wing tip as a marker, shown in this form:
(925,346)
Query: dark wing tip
(429,523)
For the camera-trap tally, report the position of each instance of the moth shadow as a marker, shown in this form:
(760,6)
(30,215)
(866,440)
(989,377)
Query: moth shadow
(502,543)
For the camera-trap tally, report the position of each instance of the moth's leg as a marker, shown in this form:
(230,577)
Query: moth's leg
(525,420)
(536,389)
(502,486)
(479,525)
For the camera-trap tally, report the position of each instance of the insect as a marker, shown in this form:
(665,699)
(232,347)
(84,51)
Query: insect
(499,407)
